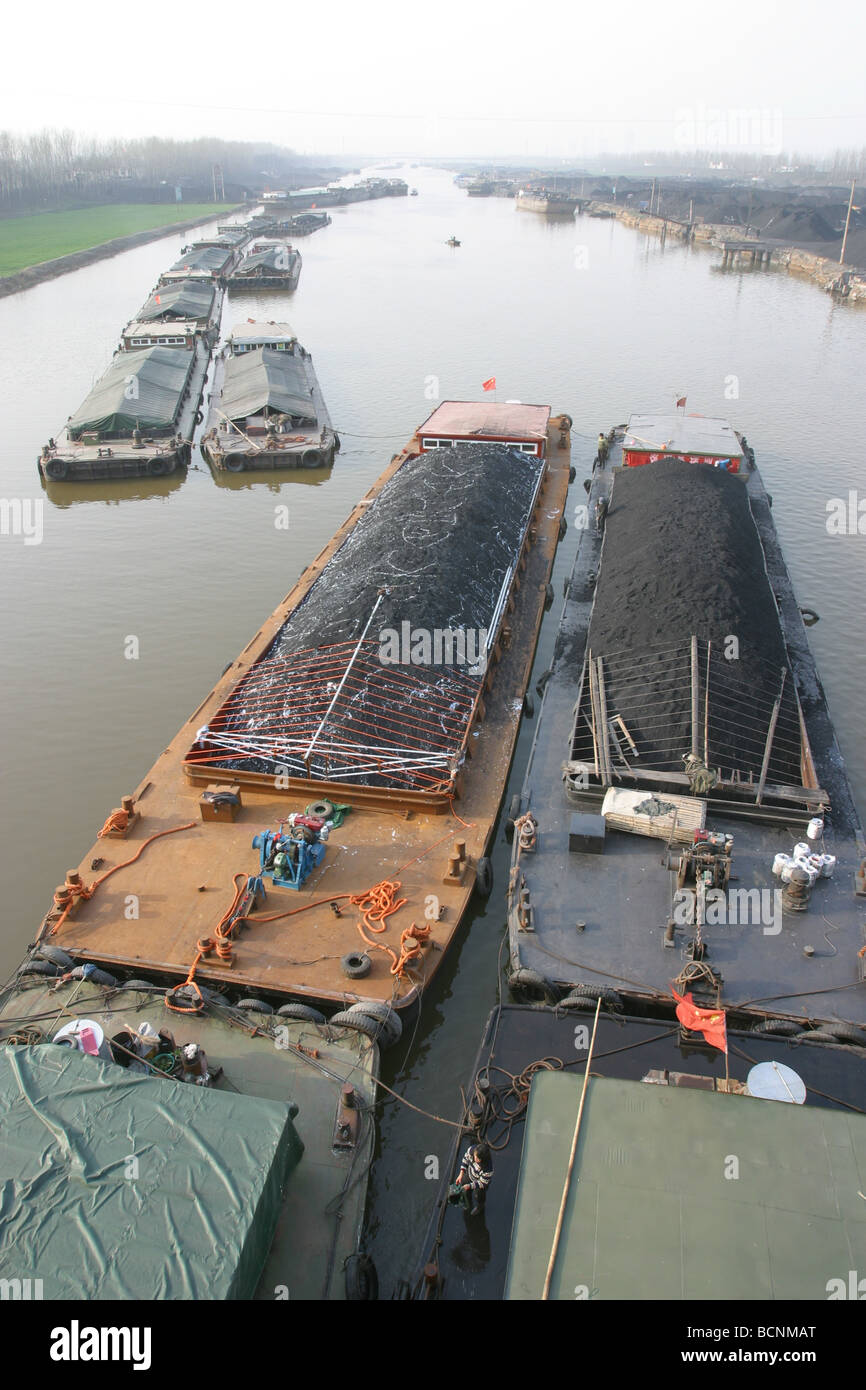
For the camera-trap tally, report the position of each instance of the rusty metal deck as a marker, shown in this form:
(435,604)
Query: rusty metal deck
(149,916)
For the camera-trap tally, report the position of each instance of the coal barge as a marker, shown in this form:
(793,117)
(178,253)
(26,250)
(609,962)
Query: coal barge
(686,924)
(266,406)
(686,815)
(316,830)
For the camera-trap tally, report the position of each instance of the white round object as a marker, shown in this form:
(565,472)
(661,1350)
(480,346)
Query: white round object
(787,870)
(74,1030)
(775,1081)
(801,850)
(815,828)
(828,864)
(779,863)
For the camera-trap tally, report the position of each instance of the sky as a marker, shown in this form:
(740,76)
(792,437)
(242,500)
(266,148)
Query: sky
(536,78)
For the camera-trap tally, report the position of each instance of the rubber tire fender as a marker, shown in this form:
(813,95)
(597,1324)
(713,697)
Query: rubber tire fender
(565,421)
(56,954)
(362,1281)
(388,1019)
(56,470)
(526,980)
(302,1013)
(199,417)
(156,468)
(312,458)
(572,473)
(846,1032)
(95,977)
(821,1035)
(563,527)
(594,992)
(360,1022)
(322,810)
(254,1006)
(356,964)
(513,809)
(778,1028)
(235,465)
(528,705)
(40,967)
(483,877)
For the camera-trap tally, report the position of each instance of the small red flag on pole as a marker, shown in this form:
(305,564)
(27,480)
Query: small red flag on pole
(489,384)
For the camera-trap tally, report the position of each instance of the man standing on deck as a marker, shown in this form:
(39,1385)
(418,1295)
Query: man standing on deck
(476,1170)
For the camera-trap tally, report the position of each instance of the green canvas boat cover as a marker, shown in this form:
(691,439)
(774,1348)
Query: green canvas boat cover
(187,299)
(686,1194)
(266,379)
(115,1186)
(143,388)
(276,260)
(203,258)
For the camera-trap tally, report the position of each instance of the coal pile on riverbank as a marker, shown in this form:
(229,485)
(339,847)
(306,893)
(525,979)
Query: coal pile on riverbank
(682,556)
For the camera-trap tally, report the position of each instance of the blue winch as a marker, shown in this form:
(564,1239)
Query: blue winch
(287,857)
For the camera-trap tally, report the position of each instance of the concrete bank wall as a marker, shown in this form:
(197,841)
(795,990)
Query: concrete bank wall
(844,280)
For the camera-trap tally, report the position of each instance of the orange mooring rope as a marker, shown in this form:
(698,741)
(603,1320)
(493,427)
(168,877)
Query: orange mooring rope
(80,890)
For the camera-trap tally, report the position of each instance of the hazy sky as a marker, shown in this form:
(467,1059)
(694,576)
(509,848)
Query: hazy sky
(535,78)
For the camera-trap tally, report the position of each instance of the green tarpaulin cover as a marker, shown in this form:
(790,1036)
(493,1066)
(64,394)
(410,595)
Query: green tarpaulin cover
(276,260)
(188,299)
(658,1208)
(205,258)
(265,378)
(143,388)
(131,1187)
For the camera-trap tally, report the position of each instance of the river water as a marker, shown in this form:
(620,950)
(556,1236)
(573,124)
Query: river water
(588,316)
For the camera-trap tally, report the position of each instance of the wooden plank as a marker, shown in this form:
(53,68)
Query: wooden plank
(769,744)
(696,692)
(602,712)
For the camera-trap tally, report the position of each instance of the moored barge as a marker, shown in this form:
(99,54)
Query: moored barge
(269,264)
(345,698)
(683,717)
(548,203)
(266,405)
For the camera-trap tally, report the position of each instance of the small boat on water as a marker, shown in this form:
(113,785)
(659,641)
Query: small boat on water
(266,405)
(269,264)
(452,241)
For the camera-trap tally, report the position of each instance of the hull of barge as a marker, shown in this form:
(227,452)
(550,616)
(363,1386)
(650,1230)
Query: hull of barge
(229,451)
(274,1059)
(71,461)
(594,922)
(183,881)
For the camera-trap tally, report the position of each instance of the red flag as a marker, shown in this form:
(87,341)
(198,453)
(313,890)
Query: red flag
(710,1022)
(681,403)
(158,300)
(489,384)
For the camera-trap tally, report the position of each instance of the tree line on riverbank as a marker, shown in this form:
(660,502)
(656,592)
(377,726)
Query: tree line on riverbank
(59,169)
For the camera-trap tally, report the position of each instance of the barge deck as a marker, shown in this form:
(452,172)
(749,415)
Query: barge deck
(597,915)
(181,859)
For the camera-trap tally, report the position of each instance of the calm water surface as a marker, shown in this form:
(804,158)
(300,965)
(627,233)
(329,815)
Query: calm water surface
(589,317)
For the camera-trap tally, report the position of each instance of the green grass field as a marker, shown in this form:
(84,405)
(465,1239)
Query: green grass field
(26,241)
